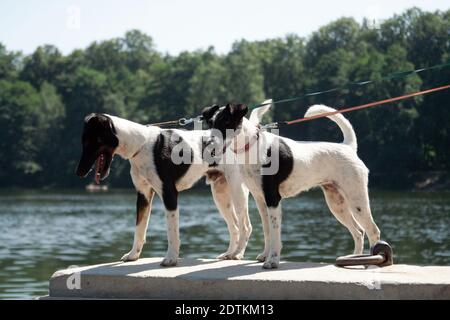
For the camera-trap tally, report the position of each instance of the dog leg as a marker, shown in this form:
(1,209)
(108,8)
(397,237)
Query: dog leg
(222,198)
(262,209)
(143,210)
(173,238)
(340,208)
(170,200)
(239,195)
(273,260)
(359,203)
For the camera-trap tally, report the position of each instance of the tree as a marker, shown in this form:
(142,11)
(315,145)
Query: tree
(8,63)
(43,65)
(207,85)
(19,108)
(284,72)
(45,96)
(245,80)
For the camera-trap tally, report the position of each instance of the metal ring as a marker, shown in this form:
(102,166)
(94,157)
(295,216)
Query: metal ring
(360,260)
(380,255)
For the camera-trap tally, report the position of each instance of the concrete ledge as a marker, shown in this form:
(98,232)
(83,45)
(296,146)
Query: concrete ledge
(214,279)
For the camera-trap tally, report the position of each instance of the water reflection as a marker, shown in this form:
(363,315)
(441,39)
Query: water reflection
(44,231)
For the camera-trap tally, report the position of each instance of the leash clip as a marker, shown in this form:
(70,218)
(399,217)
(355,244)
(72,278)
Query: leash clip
(273,125)
(184,122)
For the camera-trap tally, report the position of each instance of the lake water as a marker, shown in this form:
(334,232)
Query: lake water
(43,231)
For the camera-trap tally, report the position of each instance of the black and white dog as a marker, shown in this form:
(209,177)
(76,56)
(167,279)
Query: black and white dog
(335,167)
(166,162)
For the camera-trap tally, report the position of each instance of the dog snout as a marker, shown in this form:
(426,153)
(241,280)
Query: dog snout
(80,171)
(84,165)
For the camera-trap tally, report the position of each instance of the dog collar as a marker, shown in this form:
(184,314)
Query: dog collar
(137,152)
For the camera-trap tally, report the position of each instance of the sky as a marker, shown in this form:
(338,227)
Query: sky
(177,25)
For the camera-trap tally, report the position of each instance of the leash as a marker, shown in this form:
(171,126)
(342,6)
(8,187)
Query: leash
(180,122)
(276,125)
(400,74)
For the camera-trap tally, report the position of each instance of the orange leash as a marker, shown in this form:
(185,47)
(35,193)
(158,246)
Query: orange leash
(368,105)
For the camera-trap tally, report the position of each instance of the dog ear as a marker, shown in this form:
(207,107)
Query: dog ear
(209,112)
(107,122)
(102,120)
(89,117)
(258,113)
(238,109)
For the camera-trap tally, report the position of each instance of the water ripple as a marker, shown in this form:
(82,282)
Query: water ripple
(43,231)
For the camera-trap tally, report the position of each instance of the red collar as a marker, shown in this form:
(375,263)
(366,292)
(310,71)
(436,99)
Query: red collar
(137,152)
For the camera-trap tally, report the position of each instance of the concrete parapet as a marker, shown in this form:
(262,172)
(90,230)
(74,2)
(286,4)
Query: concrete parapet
(215,279)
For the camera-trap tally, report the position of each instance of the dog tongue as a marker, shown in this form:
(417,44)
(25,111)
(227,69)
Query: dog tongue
(98,167)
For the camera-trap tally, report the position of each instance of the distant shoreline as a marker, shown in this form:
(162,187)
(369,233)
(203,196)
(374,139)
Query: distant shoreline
(426,181)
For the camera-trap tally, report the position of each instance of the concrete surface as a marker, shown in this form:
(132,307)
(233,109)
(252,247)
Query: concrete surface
(215,279)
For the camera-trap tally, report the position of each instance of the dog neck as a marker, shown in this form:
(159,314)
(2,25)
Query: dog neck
(132,137)
(246,138)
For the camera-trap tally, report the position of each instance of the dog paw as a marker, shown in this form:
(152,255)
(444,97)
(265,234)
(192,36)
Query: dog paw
(238,256)
(271,263)
(261,257)
(225,256)
(169,262)
(130,256)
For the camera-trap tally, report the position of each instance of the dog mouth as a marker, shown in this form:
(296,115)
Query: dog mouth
(99,168)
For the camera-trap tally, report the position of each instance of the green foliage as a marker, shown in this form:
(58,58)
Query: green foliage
(43,65)
(20,106)
(45,96)
(208,83)
(8,63)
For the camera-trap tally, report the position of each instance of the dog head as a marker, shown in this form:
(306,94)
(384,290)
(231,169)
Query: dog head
(225,118)
(99,142)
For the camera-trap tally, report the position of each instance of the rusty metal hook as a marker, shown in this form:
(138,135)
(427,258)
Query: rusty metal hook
(380,255)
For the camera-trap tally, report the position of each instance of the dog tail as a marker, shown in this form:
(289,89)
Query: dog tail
(340,120)
(257,113)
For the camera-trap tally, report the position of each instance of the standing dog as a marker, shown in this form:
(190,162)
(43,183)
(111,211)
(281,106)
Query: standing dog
(158,164)
(335,167)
